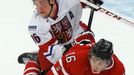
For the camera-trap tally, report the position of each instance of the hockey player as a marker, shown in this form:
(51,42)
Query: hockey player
(89,59)
(54,23)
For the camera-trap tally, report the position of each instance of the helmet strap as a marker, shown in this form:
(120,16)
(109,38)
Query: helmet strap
(51,8)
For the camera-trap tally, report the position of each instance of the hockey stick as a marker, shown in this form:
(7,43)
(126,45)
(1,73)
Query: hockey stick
(91,16)
(98,8)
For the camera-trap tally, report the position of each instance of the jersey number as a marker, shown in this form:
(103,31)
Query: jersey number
(36,38)
(70,58)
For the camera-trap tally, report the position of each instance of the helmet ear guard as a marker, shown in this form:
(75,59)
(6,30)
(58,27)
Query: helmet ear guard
(103,49)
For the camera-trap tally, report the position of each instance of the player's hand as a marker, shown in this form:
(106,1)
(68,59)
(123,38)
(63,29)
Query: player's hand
(84,38)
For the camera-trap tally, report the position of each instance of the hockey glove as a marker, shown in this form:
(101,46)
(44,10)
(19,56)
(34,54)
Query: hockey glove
(97,2)
(85,37)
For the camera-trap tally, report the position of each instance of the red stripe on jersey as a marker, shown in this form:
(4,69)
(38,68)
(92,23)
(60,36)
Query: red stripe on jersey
(83,25)
(44,62)
(50,42)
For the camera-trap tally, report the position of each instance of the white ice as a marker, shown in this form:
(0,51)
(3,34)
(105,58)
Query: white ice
(14,38)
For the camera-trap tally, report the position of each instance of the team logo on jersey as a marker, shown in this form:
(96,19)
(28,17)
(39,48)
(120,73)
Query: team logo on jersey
(62,30)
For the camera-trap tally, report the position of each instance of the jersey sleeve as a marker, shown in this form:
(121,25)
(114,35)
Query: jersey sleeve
(118,68)
(48,55)
(70,61)
(85,38)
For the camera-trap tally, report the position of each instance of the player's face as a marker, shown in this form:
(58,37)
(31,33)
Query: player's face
(97,64)
(43,7)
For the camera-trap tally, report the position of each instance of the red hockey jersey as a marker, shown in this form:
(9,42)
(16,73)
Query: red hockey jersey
(76,62)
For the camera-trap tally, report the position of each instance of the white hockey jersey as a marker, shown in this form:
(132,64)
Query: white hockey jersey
(65,28)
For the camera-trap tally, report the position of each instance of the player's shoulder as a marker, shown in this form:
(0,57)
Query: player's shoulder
(82,46)
(77,56)
(78,51)
(117,61)
(68,3)
(79,48)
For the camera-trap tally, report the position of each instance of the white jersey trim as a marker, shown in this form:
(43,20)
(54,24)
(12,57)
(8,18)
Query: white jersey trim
(31,73)
(32,68)
(63,70)
(54,71)
(111,65)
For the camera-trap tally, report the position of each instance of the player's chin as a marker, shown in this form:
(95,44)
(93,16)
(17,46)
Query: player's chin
(95,71)
(43,15)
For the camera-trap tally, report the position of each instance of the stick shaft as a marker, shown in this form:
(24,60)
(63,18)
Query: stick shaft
(107,12)
(91,17)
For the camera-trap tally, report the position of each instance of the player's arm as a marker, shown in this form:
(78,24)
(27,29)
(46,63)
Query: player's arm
(86,37)
(48,55)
